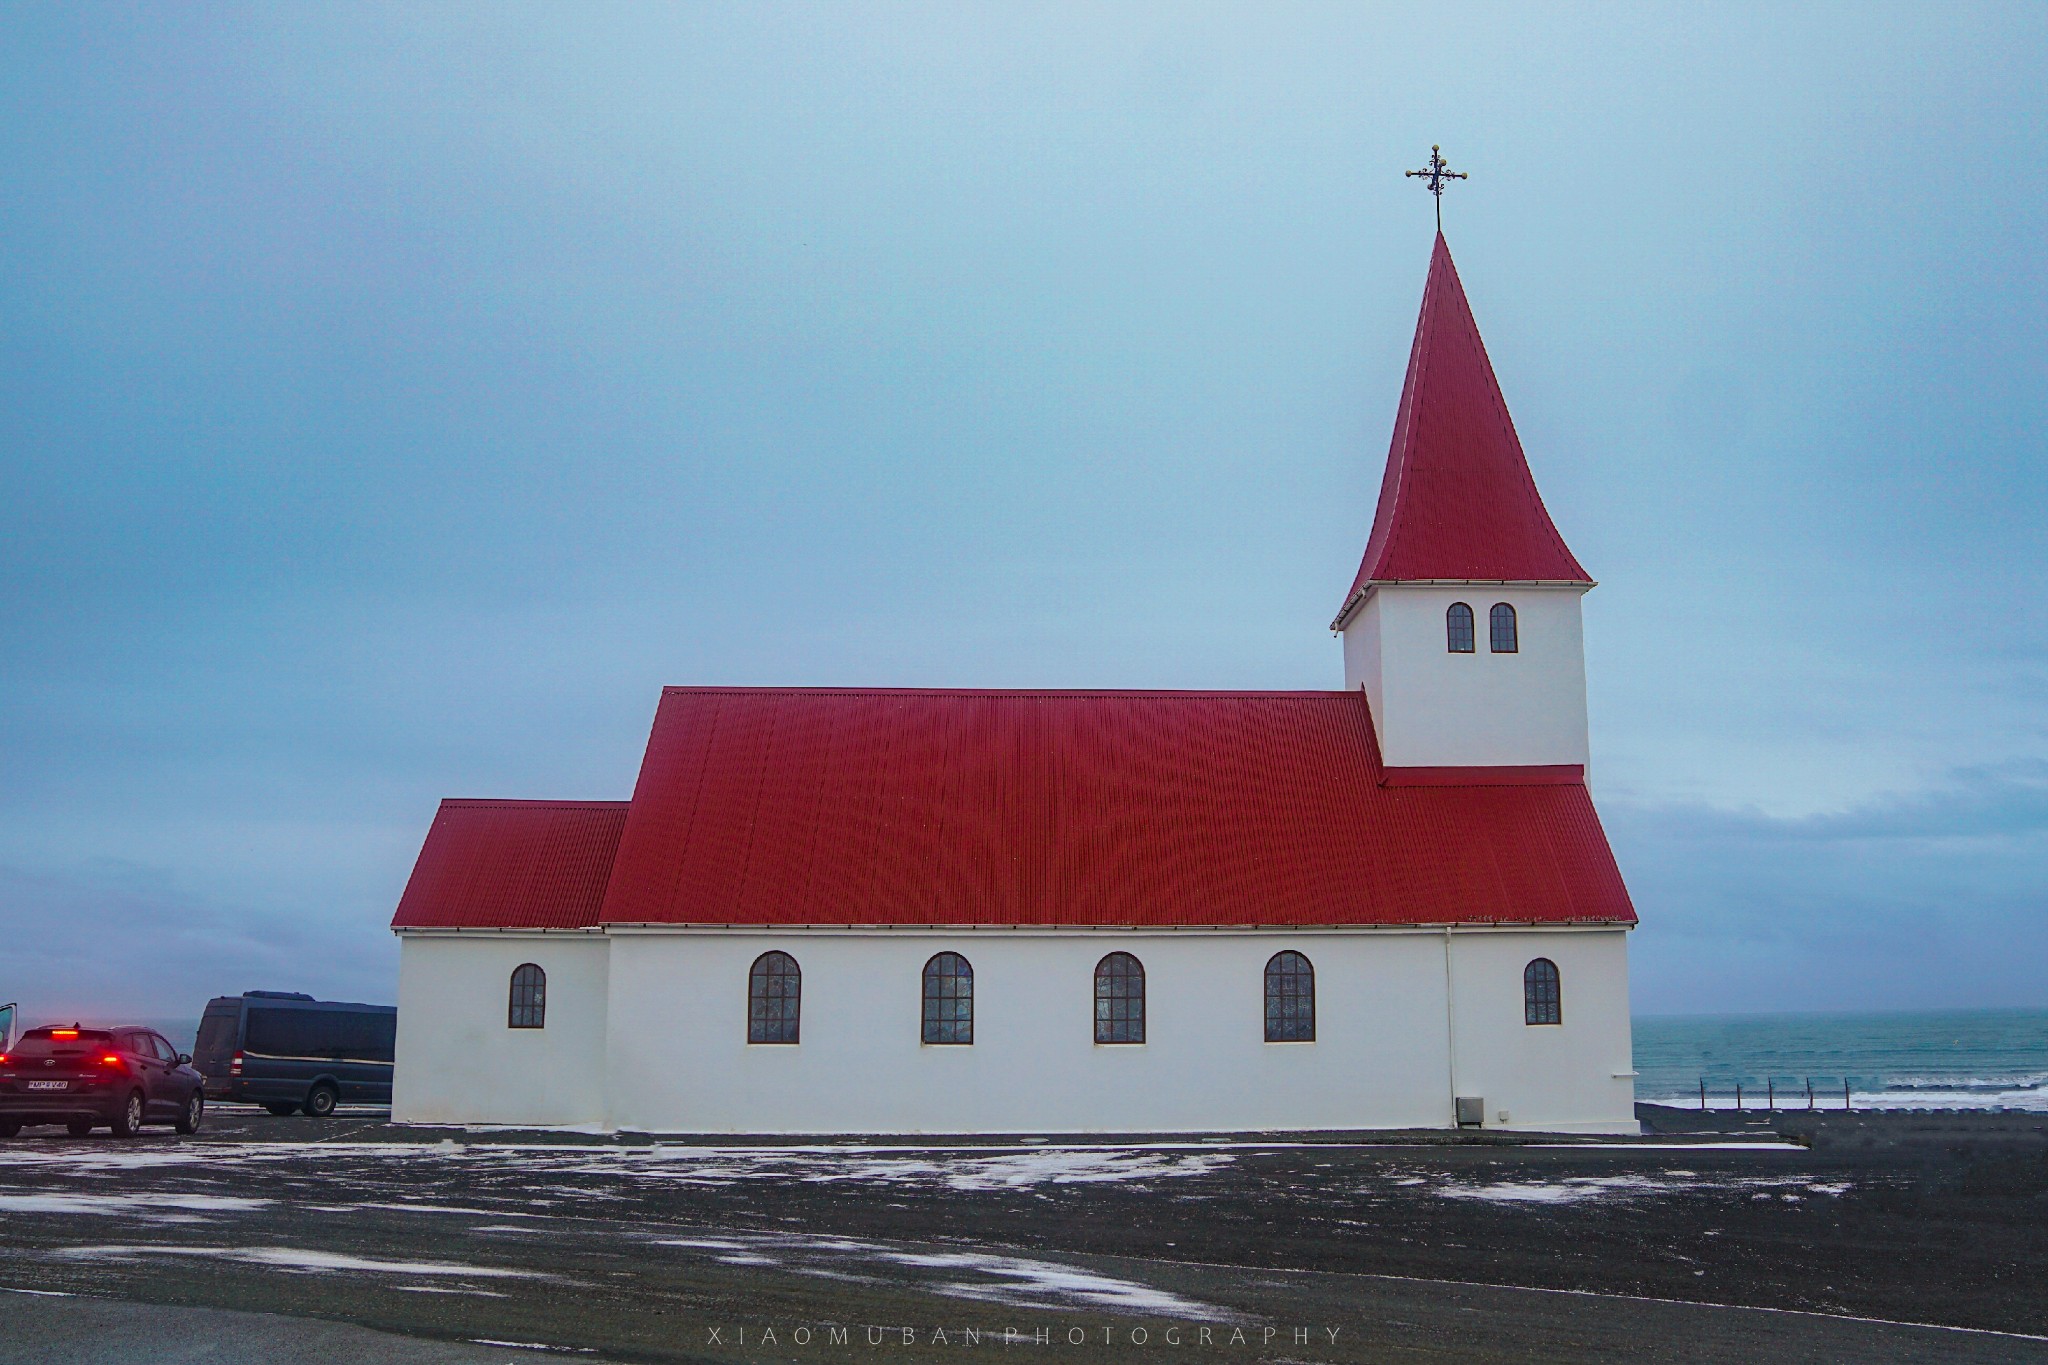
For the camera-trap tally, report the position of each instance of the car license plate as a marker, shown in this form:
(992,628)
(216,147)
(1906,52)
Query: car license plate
(47,1085)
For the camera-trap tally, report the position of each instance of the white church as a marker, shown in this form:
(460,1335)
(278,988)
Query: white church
(899,911)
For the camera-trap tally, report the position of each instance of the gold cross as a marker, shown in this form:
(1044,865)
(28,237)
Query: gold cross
(1434,175)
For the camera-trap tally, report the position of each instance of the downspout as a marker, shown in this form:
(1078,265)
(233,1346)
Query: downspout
(1450,1026)
(607,1118)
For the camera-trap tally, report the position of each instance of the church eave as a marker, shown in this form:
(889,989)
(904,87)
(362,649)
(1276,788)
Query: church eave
(1365,590)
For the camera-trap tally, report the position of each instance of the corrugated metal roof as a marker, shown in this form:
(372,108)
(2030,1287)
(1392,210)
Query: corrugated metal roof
(1457,500)
(513,865)
(847,806)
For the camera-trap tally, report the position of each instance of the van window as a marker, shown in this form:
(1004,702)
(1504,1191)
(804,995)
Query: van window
(359,1035)
(365,1037)
(285,1033)
(217,1033)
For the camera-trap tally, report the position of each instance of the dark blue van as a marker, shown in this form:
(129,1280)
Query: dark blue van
(289,1052)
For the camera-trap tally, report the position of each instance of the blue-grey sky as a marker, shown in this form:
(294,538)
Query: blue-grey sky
(392,399)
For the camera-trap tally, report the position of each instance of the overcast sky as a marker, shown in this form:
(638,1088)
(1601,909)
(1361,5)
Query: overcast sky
(393,399)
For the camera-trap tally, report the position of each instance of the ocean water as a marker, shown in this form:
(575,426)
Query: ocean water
(1937,1059)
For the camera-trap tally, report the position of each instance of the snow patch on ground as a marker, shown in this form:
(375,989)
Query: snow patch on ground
(143,1204)
(1582,1189)
(466,1291)
(1013,1281)
(300,1260)
(443,1208)
(1019,1282)
(534,1346)
(966,1169)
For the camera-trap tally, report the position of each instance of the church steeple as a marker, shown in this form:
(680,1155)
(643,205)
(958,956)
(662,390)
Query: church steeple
(1457,502)
(1463,625)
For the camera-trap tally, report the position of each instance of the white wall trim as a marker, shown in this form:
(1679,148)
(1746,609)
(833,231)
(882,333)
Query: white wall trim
(473,931)
(1586,926)
(1116,930)
(1358,598)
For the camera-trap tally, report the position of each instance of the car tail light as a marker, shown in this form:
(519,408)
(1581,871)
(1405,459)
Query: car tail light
(235,1065)
(63,1033)
(110,1059)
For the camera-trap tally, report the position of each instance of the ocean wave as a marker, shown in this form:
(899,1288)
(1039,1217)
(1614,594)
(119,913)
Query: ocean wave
(2030,1081)
(2022,1094)
(2022,1102)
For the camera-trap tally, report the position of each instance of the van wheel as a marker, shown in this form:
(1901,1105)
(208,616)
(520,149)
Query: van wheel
(78,1127)
(195,1110)
(129,1120)
(320,1101)
(283,1111)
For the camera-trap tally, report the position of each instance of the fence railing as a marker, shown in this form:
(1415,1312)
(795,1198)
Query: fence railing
(1770,1094)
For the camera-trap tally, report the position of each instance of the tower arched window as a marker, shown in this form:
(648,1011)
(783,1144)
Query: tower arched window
(1290,999)
(1119,999)
(1458,628)
(1502,621)
(774,999)
(1542,995)
(528,1005)
(948,999)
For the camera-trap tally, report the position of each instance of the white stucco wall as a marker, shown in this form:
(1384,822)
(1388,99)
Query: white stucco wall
(1434,708)
(1575,1076)
(1380,1058)
(457,1060)
(671,1035)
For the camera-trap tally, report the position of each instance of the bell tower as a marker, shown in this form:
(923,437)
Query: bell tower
(1463,626)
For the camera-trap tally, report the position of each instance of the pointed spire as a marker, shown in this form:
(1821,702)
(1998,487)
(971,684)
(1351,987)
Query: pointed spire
(1458,501)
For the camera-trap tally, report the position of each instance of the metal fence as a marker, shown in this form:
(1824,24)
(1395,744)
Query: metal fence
(1774,1094)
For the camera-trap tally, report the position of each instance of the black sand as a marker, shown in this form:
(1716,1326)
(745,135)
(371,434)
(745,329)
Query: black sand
(1409,1247)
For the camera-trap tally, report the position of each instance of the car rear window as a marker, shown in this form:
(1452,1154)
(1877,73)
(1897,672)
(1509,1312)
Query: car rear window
(47,1042)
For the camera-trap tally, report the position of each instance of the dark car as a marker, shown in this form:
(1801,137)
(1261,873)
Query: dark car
(289,1052)
(86,1078)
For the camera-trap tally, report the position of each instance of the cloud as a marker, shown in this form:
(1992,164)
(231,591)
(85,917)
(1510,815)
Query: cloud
(1929,899)
(123,940)
(391,403)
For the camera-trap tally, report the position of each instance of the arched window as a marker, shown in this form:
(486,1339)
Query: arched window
(774,999)
(1458,628)
(528,1007)
(1119,999)
(1502,619)
(948,999)
(1290,999)
(1542,1000)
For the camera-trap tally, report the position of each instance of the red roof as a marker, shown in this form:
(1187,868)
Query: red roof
(1457,500)
(826,806)
(513,865)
